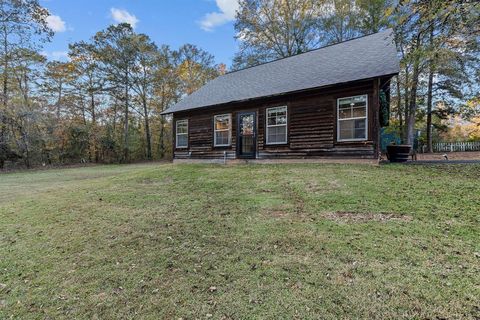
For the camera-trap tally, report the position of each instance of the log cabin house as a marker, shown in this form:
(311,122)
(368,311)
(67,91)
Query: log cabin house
(322,103)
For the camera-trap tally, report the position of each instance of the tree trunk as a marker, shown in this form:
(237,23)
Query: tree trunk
(59,101)
(27,149)
(94,127)
(3,115)
(399,105)
(406,105)
(430,97)
(24,126)
(161,145)
(412,108)
(429,111)
(125,138)
(412,103)
(147,129)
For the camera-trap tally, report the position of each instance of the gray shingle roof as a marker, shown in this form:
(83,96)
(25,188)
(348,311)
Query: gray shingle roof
(361,58)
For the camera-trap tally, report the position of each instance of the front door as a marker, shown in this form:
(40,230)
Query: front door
(246,135)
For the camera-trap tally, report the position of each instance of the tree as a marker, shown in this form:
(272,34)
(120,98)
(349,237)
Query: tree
(340,22)
(57,79)
(271,29)
(21,23)
(144,81)
(26,71)
(195,68)
(452,59)
(425,32)
(103,104)
(167,89)
(374,15)
(89,84)
(117,51)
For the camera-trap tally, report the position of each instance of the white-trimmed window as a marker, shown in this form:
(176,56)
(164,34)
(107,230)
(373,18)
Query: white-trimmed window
(276,127)
(182,134)
(222,130)
(352,118)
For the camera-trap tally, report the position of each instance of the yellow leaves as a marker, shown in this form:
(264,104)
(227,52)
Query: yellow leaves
(473,129)
(474,103)
(389,11)
(462,130)
(222,68)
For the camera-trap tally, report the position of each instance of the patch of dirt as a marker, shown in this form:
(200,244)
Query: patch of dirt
(472,155)
(285,212)
(277,213)
(359,217)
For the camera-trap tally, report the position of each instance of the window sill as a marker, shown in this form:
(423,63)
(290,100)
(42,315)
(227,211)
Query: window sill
(365,141)
(276,144)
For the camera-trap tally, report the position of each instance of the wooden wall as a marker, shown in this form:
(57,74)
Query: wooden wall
(312,125)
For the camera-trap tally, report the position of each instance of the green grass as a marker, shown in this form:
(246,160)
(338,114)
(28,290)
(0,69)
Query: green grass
(241,242)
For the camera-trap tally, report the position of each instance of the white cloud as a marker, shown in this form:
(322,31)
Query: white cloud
(56,23)
(227,11)
(56,55)
(59,55)
(123,16)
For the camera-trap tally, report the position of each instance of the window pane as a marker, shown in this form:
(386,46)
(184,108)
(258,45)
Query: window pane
(222,137)
(182,140)
(360,132)
(182,126)
(282,118)
(345,102)
(359,112)
(277,134)
(277,115)
(222,122)
(352,129)
(359,100)
(344,112)
(272,121)
(246,125)
(360,124)
(346,129)
(275,110)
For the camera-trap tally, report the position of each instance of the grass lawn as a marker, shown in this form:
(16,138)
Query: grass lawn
(301,241)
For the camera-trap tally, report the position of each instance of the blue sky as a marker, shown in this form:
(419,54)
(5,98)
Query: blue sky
(206,23)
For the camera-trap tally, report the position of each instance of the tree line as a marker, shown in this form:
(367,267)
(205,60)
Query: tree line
(104,103)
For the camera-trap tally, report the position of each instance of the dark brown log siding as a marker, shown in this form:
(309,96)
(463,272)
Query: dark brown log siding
(311,126)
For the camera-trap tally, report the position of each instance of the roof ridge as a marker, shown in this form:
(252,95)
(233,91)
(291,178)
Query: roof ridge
(308,51)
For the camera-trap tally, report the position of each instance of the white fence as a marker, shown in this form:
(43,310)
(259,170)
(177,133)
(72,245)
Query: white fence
(455,146)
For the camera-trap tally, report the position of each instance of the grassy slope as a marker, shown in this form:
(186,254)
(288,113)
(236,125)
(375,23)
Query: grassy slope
(196,241)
